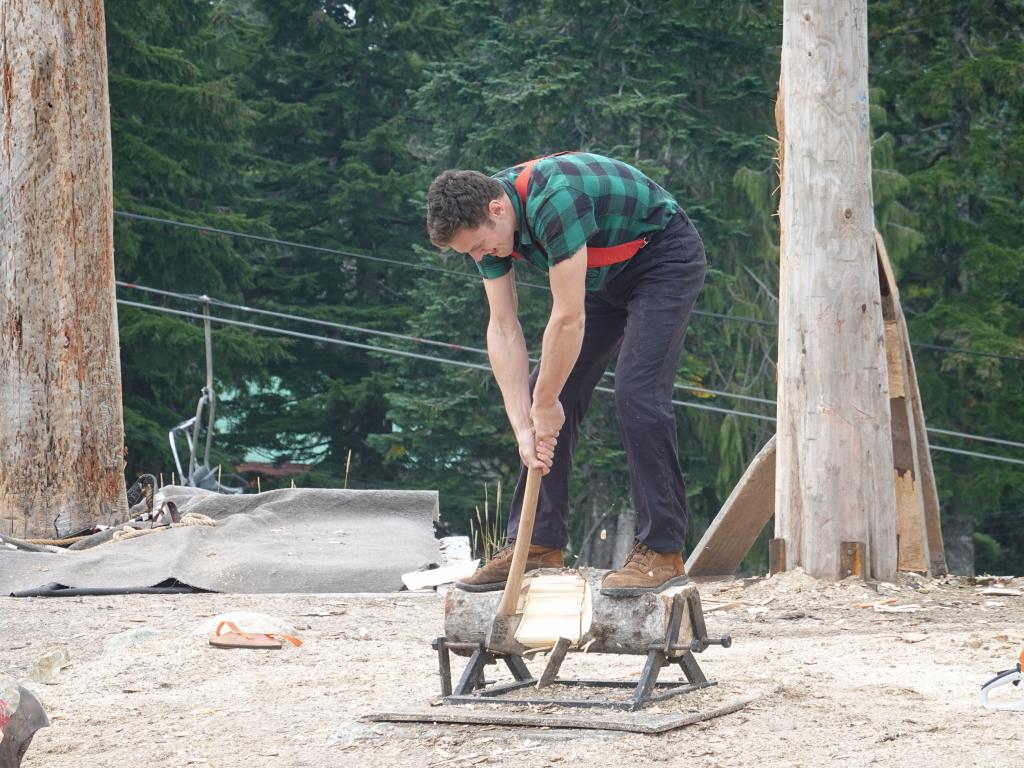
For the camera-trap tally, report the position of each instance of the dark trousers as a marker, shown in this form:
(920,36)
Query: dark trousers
(641,312)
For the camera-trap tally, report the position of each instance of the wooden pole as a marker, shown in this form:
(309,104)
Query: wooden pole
(61,431)
(834,477)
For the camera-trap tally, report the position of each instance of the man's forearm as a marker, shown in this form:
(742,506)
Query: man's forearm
(506,349)
(563,338)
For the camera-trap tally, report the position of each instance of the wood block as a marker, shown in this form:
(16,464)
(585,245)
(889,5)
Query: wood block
(851,559)
(776,556)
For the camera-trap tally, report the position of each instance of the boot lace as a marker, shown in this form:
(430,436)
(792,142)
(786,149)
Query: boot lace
(641,557)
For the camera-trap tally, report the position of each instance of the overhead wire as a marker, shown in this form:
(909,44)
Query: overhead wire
(388,350)
(390,334)
(477,366)
(475,277)
(477,350)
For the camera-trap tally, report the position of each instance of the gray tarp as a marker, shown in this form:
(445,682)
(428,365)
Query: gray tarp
(294,540)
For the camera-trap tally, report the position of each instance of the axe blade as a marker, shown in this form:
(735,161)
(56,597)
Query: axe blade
(501,638)
(28,718)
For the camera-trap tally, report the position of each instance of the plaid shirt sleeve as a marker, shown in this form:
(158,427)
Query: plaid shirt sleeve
(563,223)
(491,267)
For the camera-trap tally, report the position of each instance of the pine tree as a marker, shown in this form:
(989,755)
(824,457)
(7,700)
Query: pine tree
(180,152)
(951,75)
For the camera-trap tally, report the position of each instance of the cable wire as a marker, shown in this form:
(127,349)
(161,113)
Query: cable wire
(991,456)
(404,353)
(391,334)
(391,350)
(475,277)
(464,348)
(981,438)
(290,244)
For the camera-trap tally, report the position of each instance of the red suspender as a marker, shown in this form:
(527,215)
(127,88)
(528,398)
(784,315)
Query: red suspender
(596,257)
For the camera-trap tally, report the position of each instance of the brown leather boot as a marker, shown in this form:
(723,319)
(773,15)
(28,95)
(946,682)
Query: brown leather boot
(494,574)
(645,571)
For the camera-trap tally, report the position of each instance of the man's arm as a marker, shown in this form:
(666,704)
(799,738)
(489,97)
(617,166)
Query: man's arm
(563,338)
(506,348)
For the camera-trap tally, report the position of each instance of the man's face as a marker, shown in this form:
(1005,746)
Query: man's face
(495,236)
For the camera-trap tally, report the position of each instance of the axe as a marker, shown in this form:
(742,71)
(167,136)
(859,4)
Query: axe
(502,636)
(28,718)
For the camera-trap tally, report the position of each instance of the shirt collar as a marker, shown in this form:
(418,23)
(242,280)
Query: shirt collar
(523,236)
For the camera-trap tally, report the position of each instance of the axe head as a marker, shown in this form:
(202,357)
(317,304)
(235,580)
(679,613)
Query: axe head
(501,637)
(28,718)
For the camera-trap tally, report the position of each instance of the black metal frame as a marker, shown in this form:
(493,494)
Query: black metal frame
(472,688)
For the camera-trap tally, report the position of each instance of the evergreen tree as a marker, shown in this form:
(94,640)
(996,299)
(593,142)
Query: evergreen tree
(951,76)
(672,93)
(180,150)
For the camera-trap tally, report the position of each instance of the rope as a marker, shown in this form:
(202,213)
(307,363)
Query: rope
(190,519)
(55,542)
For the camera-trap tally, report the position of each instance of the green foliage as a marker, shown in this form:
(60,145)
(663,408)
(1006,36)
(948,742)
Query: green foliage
(324,123)
(957,125)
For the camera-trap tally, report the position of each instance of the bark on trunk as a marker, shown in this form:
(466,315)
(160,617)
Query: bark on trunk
(834,478)
(61,432)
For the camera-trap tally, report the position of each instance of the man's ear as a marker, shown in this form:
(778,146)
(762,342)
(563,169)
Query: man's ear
(496,207)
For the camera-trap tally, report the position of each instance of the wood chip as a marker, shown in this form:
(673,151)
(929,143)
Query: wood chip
(724,606)
(887,601)
(1002,591)
(913,637)
(909,608)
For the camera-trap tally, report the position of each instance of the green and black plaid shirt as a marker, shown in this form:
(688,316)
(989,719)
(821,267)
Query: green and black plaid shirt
(576,199)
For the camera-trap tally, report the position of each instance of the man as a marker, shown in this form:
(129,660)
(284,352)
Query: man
(625,267)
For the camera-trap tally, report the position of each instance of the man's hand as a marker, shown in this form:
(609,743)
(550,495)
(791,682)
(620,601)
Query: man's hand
(547,419)
(534,453)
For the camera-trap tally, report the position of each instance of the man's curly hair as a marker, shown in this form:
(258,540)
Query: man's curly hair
(457,200)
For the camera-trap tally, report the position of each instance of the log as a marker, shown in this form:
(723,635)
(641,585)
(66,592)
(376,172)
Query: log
(61,452)
(573,599)
(834,476)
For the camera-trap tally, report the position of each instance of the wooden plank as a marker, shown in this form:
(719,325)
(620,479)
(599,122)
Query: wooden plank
(918,528)
(894,360)
(490,714)
(740,521)
(887,278)
(926,475)
(909,524)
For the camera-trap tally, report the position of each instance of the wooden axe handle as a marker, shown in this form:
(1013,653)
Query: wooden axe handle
(510,598)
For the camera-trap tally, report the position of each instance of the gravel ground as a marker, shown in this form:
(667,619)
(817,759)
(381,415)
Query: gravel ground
(847,673)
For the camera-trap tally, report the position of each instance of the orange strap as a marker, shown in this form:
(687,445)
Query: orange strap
(596,257)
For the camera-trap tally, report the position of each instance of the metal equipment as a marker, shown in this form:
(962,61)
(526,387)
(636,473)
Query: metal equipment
(19,726)
(1006,677)
(201,475)
(473,688)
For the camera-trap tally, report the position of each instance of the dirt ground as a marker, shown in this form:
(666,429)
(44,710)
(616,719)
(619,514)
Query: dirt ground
(840,678)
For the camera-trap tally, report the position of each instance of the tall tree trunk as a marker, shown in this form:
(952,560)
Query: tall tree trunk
(834,468)
(61,431)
